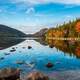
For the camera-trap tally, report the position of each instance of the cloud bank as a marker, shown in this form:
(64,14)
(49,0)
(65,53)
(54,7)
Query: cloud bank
(75,2)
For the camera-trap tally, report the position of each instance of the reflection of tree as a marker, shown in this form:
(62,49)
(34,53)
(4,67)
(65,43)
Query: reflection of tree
(69,47)
(77,51)
(41,40)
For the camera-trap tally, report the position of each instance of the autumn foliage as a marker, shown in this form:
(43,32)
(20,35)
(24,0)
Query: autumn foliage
(77,51)
(78,27)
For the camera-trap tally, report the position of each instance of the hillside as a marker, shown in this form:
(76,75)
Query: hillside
(6,31)
(40,33)
(70,29)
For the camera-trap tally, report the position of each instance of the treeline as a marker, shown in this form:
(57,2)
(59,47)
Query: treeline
(70,29)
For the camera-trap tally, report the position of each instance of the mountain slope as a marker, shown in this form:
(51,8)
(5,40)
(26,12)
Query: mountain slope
(6,31)
(41,33)
(71,29)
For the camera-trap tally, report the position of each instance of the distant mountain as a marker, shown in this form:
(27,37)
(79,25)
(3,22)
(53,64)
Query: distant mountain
(6,31)
(41,33)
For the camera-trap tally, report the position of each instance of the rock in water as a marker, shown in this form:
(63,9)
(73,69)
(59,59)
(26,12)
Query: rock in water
(13,50)
(36,76)
(20,62)
(51,46)
(1,58)
(29,47)
(49,65)
(7,53)
(9,74)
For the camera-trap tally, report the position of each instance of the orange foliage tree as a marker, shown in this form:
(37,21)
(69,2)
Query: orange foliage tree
(78,27)
(77,51)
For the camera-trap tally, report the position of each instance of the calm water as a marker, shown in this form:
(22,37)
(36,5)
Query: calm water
(39,55)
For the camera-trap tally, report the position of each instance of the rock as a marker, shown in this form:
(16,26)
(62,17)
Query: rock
(16,47)
(1,58)
(36,76)
(29,47)
(51,46)
(23,47)
(49,65)
(13,47)
(30,65)
(9,74)
(20,51)
(13,50)
(20,62)
(7,53)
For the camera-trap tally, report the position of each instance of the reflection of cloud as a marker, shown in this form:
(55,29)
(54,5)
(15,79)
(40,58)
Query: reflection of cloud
(27,1)
(47,1)
(67,1)
(30,11)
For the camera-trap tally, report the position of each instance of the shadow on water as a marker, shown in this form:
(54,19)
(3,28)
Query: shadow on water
(6,42)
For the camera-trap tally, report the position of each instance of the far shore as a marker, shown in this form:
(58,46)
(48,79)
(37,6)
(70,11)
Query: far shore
(61,38)
(39,37)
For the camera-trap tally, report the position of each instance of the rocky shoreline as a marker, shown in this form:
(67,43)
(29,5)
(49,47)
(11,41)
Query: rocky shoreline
(9,74)
(65,75)
(14,74)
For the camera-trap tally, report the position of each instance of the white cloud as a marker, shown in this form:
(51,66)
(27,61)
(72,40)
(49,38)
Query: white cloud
(30,10)
(65,1)
(1,11)
(76,2)
(68,16)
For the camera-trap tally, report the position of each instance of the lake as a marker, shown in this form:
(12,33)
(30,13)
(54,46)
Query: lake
(34,54)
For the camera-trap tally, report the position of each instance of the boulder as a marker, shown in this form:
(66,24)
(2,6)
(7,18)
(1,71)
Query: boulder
(9,74)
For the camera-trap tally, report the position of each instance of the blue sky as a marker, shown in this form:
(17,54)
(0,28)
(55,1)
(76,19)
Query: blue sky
(31,15)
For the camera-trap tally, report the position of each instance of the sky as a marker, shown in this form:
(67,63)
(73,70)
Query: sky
(30,16)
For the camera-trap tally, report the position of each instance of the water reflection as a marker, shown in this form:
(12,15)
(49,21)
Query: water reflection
(71,47)
(6,42)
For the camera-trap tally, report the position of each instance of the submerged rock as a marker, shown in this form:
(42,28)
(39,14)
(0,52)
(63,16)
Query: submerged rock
(1,58)
(36,76)
(29,47)
(13,50)
(7,53)
(31,65)
(20,62)
(49,65)
(23,47)
(9,74)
